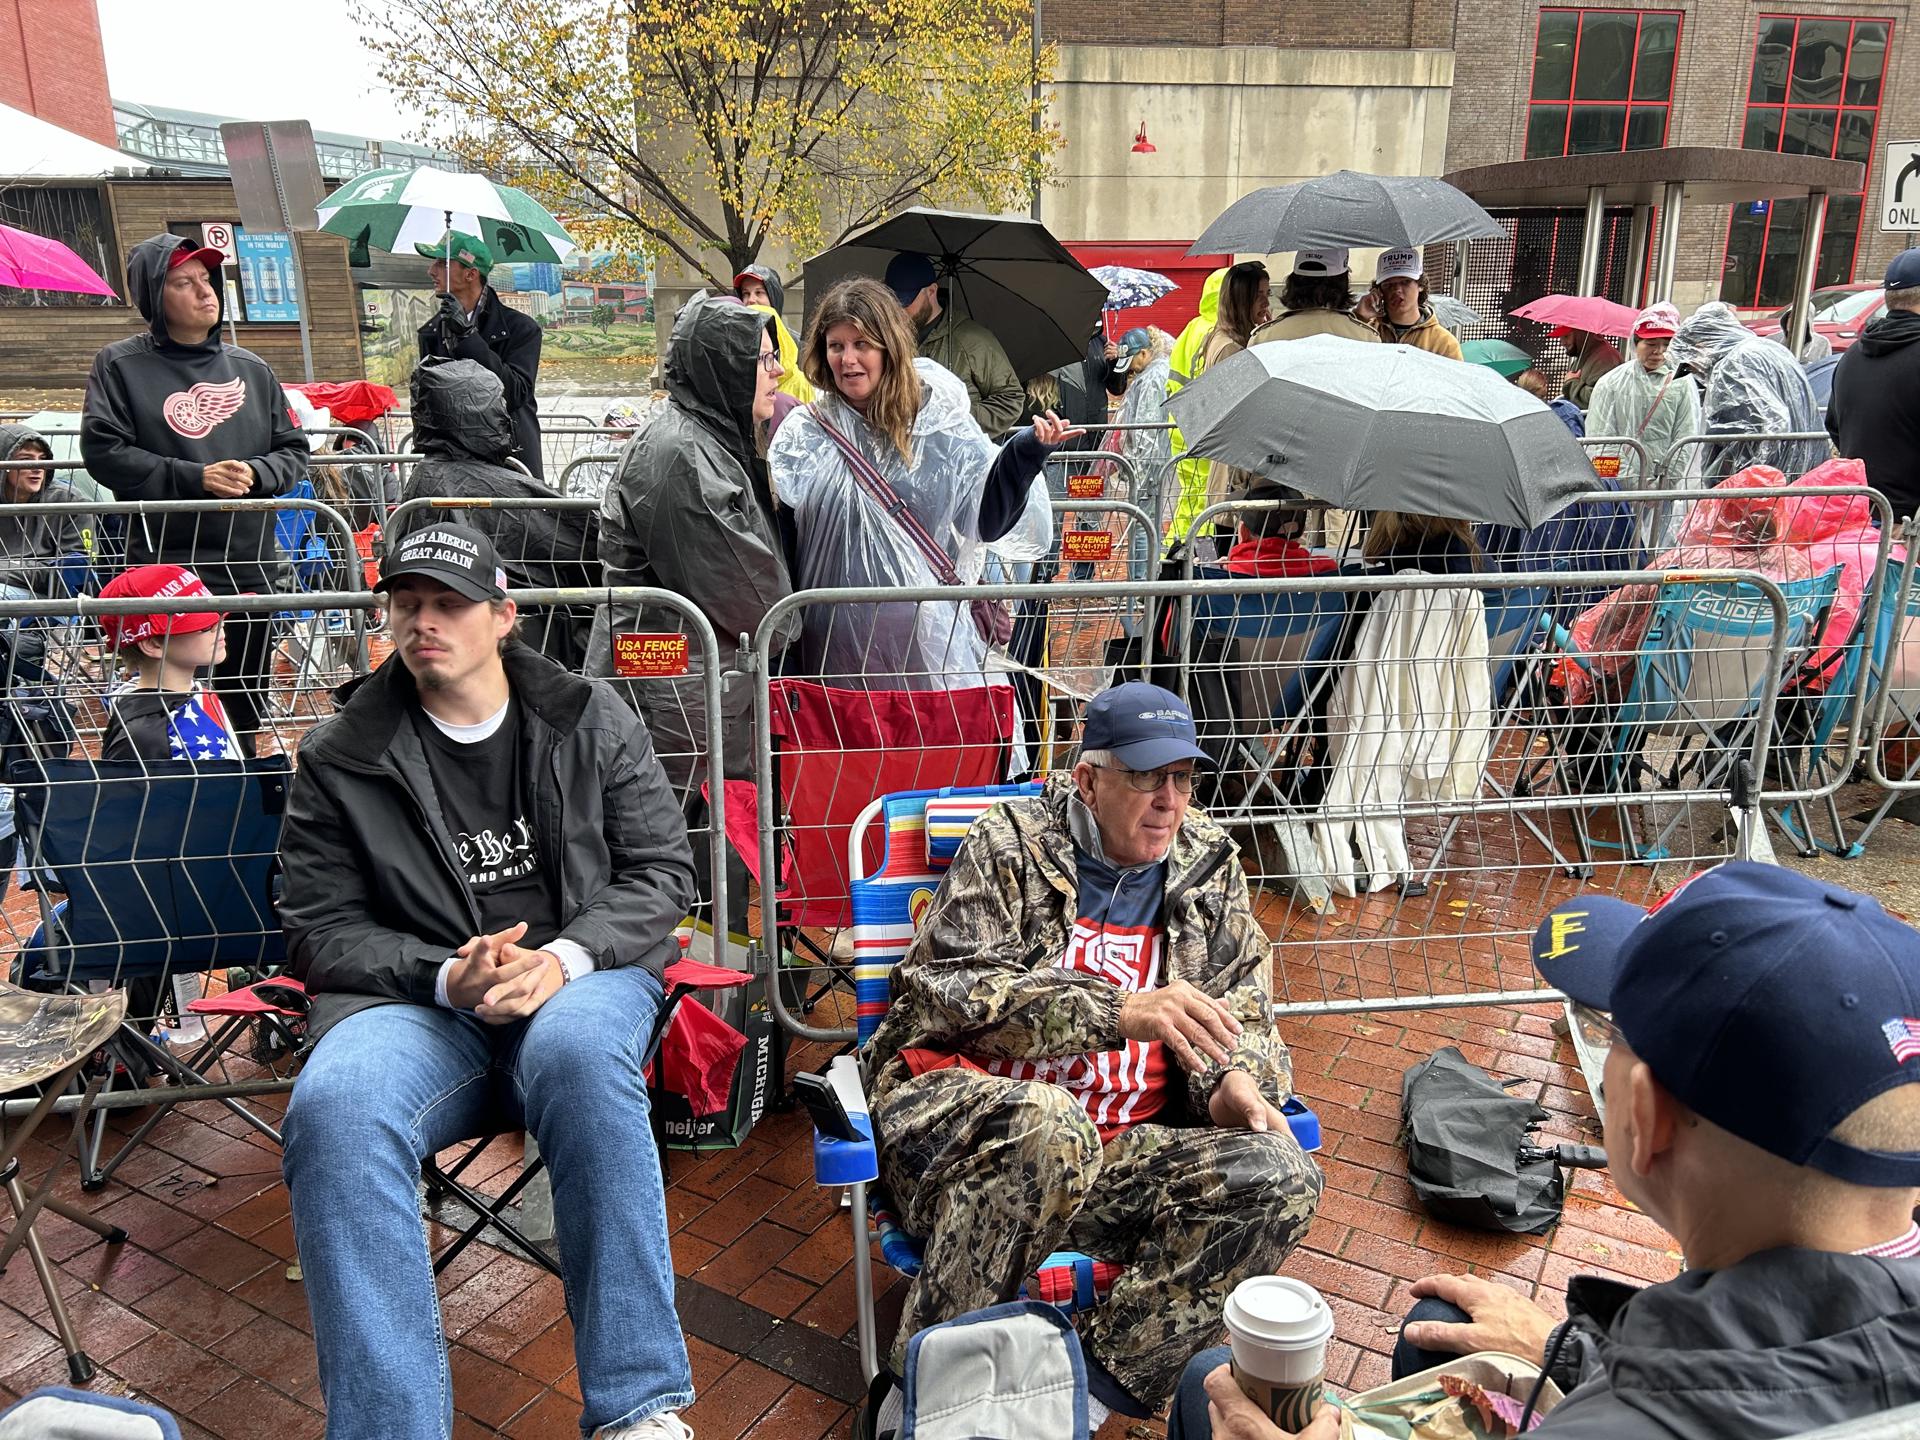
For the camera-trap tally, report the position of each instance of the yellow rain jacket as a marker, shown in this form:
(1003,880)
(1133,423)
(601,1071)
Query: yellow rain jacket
(1187,362)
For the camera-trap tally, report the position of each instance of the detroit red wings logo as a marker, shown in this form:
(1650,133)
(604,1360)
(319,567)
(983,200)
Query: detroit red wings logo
(196,411)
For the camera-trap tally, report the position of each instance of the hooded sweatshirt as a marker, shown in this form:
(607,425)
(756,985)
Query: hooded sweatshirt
(1874,415)
(1426,333)
(159,412)
(32,541)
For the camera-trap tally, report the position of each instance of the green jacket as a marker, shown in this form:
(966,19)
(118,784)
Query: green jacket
(982,978)
(967,348)
(1186,366)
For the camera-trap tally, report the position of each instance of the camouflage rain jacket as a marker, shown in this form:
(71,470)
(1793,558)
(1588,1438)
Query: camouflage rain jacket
(982,978)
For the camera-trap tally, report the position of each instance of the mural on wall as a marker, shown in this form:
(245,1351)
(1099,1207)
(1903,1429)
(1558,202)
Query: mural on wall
(596,310)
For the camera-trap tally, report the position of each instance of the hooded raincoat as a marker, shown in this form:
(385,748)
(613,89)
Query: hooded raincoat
(159,412)
(689,512)
(1189,497)
(845,538)
(1753,387)
(793,382)
(460,424)
(33,542)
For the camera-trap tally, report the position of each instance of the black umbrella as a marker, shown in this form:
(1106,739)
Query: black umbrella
(1464,1136)
(1008,273)
(1343,209)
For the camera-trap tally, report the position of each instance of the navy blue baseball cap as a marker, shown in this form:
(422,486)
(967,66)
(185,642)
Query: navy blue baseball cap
(1904,272)
(1142,726)
(908,273)
(1766,1001)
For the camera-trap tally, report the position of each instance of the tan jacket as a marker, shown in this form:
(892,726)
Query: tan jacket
(1429,334)
(1298,324)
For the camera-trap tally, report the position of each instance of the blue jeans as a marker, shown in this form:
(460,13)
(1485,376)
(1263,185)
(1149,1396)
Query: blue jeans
(1188,1418)
(391,1085)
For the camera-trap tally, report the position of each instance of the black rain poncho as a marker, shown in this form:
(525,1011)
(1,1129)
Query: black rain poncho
(460,424)
(688,512)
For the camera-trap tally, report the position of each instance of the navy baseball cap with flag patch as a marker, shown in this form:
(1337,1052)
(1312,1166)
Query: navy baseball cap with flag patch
(1141,726)
(458,556)
(1770,1003)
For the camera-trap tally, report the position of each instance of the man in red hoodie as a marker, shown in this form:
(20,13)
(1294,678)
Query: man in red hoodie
(1269,545)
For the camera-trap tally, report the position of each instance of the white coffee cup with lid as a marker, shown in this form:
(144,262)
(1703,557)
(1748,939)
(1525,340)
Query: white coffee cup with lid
(1278,1329)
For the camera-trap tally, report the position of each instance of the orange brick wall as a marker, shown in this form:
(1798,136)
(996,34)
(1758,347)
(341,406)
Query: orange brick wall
(52,65)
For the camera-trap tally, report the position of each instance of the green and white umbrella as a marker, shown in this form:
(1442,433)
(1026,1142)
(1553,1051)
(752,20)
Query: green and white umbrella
(396,209)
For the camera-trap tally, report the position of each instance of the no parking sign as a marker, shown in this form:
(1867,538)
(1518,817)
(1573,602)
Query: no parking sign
(218,235)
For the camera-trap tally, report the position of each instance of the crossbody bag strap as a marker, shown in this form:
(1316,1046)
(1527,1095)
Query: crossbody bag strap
(1653,409)
(875,485)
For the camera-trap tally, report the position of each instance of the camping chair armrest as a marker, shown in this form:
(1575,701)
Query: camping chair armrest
(847,1162)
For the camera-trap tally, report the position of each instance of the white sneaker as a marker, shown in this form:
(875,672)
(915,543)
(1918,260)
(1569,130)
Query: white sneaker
(663,1425)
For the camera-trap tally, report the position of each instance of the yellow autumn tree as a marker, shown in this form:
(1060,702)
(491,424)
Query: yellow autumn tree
(707,128)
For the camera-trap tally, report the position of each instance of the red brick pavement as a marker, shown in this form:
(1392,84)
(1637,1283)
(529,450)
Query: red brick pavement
(197,1311)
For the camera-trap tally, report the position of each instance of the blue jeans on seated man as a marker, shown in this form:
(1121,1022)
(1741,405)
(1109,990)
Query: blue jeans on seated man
(1188,1419)
(391,1085)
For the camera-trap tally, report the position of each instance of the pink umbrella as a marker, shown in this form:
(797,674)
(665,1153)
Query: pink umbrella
(33,262)
(1594,314)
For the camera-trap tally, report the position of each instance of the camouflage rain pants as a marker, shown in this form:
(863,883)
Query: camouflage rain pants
(996,1174)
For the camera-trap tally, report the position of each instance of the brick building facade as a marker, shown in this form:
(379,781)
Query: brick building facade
(52,65)
(1832,78)
(1813,92)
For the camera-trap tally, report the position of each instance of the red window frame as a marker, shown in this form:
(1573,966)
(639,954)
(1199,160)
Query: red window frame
(1841,109)
(1626,106)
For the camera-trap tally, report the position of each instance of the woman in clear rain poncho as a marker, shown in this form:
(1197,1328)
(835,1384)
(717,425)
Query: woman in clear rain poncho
(908,419)
(1753,387)
(1648,400)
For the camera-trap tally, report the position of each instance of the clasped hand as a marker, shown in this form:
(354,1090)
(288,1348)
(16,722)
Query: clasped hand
(499,980)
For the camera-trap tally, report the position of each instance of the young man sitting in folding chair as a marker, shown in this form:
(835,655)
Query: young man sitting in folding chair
(1080,1053)
(484,869)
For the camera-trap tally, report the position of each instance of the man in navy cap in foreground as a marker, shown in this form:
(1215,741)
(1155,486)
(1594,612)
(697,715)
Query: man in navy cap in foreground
(1763,1104)
(1080,1054)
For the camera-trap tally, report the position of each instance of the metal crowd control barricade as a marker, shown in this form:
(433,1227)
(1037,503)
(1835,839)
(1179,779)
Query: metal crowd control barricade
(141,872)
(560,445)
(319,645)
(1429,892)
(587,476)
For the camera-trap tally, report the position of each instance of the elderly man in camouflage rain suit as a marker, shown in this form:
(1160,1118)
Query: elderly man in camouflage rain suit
(1080,1054)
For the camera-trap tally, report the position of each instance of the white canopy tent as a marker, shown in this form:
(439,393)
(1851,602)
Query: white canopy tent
(32,148)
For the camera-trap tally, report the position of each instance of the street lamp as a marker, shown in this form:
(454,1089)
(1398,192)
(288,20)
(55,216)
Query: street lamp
(1034,194)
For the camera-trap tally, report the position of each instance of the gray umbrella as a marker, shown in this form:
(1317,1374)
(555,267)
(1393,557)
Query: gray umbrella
(1456,315)
(1346,208)
(1385,427)
(1009,273)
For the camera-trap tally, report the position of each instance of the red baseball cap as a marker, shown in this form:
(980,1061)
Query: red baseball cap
(205,254)
(155,582)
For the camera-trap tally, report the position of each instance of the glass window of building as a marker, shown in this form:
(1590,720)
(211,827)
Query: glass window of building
(1814,90)
(1602,80)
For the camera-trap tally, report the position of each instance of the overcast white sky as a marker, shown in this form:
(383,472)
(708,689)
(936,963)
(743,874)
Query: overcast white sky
(263,60)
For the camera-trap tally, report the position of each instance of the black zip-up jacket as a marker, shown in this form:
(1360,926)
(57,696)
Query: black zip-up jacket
(374,899)
(1874,415)
(508,344)
(159,412)
(1783,1343)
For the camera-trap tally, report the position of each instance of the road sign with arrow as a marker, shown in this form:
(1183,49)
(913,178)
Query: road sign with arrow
(1900,186)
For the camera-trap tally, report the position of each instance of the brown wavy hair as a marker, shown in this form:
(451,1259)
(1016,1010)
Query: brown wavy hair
(872,309)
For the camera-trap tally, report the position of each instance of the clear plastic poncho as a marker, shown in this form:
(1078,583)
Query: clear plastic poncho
(844,538)
(1753,387)
(1733,529)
